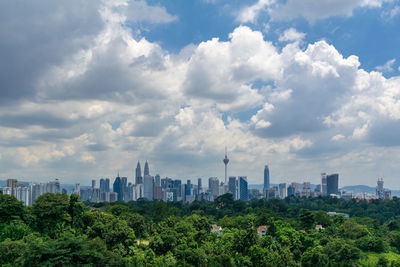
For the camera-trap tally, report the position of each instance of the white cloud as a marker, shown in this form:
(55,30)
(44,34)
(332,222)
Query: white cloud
(250,13)
(291,35)
(113,98)
(387,67)
(315,9)
(140,11)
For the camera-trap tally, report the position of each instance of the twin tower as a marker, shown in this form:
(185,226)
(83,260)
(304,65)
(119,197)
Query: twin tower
(138,176)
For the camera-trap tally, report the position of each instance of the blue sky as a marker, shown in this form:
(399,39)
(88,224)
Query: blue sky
(307,86)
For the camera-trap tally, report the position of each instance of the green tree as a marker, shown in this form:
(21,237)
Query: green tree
(112,230)
(15,230)
(76,209)
(51,212)
(314,257)
(306,219)
(10,208)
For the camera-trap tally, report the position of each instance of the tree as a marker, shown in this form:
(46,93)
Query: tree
(10,208)
(314,257)
(353,230)
(76,209)
(51,212)
(112,230)
(306,219)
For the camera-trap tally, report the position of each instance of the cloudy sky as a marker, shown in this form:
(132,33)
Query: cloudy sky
(88,88)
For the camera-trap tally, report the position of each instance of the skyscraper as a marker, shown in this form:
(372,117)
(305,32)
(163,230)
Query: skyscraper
(148,187)
(107,185)
(226,161)
(117,188)
(139,178)
(324,191)
(266,177)
(199,185)
(102,185)
(213,186)
(124,188)
(283,190)
(93,184)
(232,186)
(332,184)
(146,169)
(243,188)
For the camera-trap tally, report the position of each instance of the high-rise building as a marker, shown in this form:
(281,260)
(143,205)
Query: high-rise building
(290,191)
(283,190)
(324,189)
(102,185)
(232,186)
(157,180)
(243,188)
(124,188)
(379,188)
(306,189)
(213,186)
(148,187)
(139,178)
(107,185)
(332,184)
(117,188)
(266,177)
(146,169)
(226,161)
(93,184)
(199,185)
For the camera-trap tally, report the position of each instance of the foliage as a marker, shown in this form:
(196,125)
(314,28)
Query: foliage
(59,231)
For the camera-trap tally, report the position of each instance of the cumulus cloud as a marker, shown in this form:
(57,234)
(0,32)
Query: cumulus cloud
(309,9)
(251,13)
(387,67)
(291,35)
(102,98)
(140,11)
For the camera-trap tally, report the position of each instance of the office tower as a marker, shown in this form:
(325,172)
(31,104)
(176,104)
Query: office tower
(107,185)
(232,186)
(290,191)
(323,184)
(379,188)
(306,189)
(266,177)
(226,161)
(332,184)
(283,190)
(295,188)
(124,188)
(22,194)
(12,183)
(139,178)
(243,188)
(117,188)
(158,193)
(148,187)
(199,185)
(157,180)
(102,185)
(77,189)
(93,184)
(146,169)
(213,186)
(34,192)
(52,187)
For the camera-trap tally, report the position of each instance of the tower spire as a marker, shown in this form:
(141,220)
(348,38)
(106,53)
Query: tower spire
(226,161)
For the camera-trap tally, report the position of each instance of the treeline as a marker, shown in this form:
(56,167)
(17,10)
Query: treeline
(63,231)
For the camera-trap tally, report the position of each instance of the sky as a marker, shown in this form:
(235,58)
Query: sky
(89,88)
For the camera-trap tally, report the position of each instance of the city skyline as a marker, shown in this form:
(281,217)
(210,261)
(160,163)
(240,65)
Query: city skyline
(89,87)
